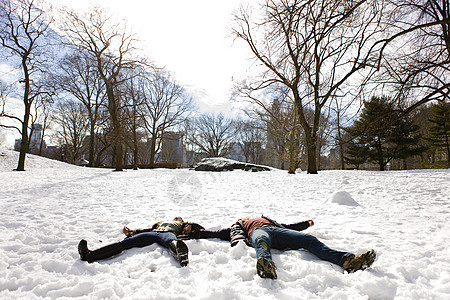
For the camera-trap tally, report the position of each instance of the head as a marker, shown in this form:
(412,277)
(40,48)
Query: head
(179,219)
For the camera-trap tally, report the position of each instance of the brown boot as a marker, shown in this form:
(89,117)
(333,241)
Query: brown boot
(354,263)
(266,268)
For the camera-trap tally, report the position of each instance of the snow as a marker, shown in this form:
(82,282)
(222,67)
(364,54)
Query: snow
(343,198)
(226,164)
(46,210)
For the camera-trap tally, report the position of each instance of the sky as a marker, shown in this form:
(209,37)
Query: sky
(190,38)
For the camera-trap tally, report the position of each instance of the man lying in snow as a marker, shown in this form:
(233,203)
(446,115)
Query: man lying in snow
(264,234)
(167,234)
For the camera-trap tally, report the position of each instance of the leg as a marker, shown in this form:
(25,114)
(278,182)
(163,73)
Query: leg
(291,239)
(179,251)
(261,240)
(101,253)
(148,238)
(166,239)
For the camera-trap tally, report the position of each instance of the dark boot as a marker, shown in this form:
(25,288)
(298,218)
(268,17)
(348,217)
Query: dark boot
(101,253)
(179,250)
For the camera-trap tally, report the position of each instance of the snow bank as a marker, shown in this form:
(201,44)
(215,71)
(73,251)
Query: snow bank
(47,209)
(343,198)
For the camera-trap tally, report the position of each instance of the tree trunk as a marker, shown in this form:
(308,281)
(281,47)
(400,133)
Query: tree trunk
(41,142)
(341,147)
(312,158)
(319,148)
(114,107)
(135,150)
(153,151)
(135,161)
(381,163)
(25,144)
(448,148)
(118,155)
(91,144)
(292,152)
(311,146)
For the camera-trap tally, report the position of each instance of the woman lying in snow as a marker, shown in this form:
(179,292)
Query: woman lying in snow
(167,234)
(264,234)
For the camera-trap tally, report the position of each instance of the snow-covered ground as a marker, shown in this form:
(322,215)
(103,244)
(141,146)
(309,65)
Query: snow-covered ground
(46,210)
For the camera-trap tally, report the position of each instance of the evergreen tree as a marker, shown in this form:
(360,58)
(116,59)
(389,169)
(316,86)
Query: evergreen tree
(439,131)
(407,136)
(356,155)
(382,134)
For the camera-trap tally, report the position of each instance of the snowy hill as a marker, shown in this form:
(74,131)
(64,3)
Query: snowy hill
(47,209)
(9,159)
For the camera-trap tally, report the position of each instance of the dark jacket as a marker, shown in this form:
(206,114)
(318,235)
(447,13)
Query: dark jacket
(195,228)
(239,233)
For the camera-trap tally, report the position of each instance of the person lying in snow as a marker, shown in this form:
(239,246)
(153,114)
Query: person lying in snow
(264,234)
(167,234)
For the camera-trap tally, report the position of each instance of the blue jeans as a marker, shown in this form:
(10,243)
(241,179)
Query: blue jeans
(265,238)
(148,238)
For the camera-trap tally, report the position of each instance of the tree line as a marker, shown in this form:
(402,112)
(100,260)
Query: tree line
(349,76)
(327,56)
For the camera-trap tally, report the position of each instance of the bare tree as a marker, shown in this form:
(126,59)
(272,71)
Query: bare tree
(166,105)
(312,48)
(111,46)
(284,135)
(23,32)
(340,110)
(213,134)
(5,91)
(78,76)
(40,120)
(417,56)
(73,120)
(102,138)
(188,130)
(284,139)
(252,136)
(133,93)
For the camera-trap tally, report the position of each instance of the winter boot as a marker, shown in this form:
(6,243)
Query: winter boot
(101,253)
(179,250)
(266,268)
(354,263)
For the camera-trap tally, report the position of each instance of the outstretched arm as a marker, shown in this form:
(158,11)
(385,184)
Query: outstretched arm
(223,234)
(299,226)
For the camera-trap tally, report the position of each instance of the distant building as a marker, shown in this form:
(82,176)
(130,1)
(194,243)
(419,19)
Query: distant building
(172,149)
(35,146)
(235,152)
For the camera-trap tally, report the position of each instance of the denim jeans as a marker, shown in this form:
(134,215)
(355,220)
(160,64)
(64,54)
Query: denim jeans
(148,238)
(265,238)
